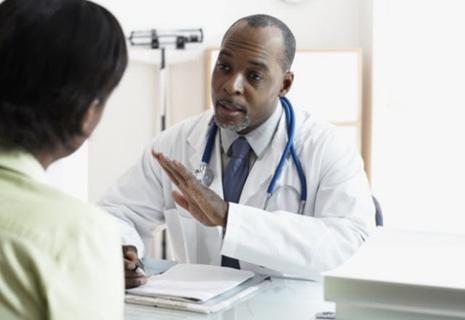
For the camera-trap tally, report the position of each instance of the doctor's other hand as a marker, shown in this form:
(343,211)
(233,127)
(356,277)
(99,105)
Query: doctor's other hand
(133,268)
(204,204)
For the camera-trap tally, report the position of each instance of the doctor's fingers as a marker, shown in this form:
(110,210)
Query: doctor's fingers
(167,167)
(210,209)
(196,190)
(180,199)
(184,180)
(196,199)
(204,204)
(178,172)
(162,161)
(190,205)
(183,172)
(184,175)
(212,205)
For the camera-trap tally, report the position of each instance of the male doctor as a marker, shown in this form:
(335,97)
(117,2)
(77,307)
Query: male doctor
(226,223)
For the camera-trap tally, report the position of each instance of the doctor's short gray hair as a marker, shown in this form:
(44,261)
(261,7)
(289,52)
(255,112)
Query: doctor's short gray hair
(264,20)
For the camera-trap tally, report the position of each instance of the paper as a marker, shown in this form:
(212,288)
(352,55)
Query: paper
(192,282)
(216,304)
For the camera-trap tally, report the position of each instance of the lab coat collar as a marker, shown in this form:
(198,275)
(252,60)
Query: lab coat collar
(197,139)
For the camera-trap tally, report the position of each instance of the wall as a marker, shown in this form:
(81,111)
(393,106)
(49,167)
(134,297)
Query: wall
(131,116)
(126,127)
(419,71)
(316,23)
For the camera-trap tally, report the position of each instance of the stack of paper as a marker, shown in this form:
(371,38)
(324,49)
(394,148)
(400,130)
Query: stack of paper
(195,287)
(400,274)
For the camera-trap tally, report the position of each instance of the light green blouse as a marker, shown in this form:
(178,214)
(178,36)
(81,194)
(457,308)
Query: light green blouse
(60,258)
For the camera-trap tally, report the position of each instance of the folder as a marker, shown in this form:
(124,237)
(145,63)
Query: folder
(197,288)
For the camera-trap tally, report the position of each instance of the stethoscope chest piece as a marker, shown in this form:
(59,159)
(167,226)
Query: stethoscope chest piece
(204,175)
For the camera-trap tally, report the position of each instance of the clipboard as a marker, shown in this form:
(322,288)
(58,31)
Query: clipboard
(215,304)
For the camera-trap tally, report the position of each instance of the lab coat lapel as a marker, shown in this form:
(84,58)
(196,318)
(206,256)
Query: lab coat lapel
(210,237)
(197,139)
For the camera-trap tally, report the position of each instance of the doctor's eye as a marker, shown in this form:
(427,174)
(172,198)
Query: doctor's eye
(223,67)
(254,76)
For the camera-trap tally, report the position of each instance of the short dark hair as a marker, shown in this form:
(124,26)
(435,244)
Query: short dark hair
(56,57)
(263,20)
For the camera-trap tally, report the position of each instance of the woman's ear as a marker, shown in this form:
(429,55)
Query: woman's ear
(287,83)
(91,117)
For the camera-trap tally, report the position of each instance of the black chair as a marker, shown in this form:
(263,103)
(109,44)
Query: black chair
(379,213)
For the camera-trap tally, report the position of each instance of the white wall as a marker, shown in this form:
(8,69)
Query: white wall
(318,23)
(419,100)
(131,117)
(126,126)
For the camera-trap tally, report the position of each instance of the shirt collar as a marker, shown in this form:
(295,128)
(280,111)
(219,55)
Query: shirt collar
(258,139)
(24,163)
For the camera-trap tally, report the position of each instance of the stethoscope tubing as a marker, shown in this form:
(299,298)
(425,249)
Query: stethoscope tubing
(298,164)
(210,142)
(291,136)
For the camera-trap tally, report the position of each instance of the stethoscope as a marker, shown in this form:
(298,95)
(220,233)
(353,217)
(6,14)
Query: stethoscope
(205,175)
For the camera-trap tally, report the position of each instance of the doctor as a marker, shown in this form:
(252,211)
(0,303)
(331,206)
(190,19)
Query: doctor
(228,220)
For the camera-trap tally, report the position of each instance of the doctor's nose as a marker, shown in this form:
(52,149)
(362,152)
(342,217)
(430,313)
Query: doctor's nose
(234,85)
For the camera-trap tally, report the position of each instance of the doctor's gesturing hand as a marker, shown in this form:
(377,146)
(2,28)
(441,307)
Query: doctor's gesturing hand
(204,204)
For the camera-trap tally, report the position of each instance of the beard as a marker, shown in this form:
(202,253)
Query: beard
(236,127)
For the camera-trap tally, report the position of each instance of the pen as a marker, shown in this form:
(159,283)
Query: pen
(139,270)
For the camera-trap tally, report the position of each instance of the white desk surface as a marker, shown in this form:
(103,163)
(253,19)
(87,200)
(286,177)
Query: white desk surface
(283,299)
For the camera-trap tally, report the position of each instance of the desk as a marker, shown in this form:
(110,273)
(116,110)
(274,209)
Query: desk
(283,299)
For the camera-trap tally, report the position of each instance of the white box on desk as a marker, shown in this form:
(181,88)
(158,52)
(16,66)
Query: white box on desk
(401,274)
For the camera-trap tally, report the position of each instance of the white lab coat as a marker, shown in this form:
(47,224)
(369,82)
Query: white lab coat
(338,216)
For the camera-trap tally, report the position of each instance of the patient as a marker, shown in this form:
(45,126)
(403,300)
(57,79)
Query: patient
(60,258)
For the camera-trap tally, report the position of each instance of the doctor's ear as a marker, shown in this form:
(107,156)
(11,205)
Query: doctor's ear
(91,117)
(288,79)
